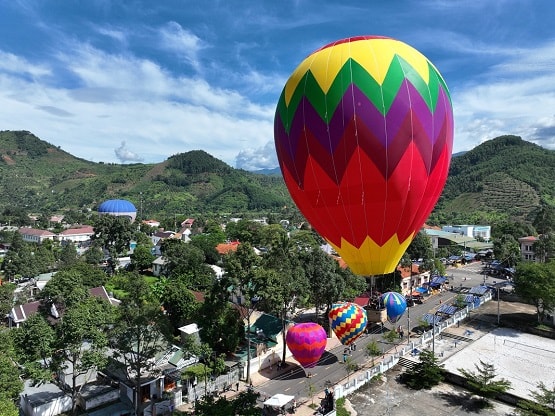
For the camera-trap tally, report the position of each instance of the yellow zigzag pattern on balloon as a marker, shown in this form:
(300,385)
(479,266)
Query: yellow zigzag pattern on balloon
(374,55)
(370,258)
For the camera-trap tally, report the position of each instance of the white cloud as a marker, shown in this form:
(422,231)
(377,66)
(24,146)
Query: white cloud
(165,80)
(263,157)
(126,155)
(181,42)
(14,64)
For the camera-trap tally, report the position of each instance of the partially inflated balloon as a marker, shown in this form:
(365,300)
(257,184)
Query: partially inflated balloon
(348,321)
(307,342)
(395,305)
(364,133)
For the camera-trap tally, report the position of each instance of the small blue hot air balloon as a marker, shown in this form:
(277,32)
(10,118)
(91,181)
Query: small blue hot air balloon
(395,305)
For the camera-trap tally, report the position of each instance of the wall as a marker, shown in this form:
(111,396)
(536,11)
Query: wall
(357,380)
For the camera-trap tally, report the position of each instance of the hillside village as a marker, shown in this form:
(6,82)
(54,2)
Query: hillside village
(164,381)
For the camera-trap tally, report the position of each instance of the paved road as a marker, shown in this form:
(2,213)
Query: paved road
(330,369)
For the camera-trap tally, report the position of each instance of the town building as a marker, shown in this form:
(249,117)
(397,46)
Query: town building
(478,232)
(527,248)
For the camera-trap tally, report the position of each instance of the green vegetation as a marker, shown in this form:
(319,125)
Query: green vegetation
(44,179)
(502,179)
(543,404)
(483,383)
(340,408)
(535,283)
(425,374)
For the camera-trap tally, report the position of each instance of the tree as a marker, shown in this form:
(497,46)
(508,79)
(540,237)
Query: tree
(142,258)
(544,247)
(82,339)
(543,402)
(112,233)
(207,243)
(140,331)
(244,231)
(90,276)
(247,279)
(425,374)
(535,283)
(507,249)
(271,235)
(286,284)
(482,381)
(10,382)
(19,259)
(64,290)
(179,303)
(68,255)
(326,284)
(350,366)
(544,396)
(372,350)
(244,404)
(420,247)
(94,255)
(34,341)
(187,260)
(8,408)
(544,219)
(6,298)
(511,227)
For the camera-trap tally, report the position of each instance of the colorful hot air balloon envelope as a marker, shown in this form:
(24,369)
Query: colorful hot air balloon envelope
(307,342)
(348,321)
(395,305)
(364,133)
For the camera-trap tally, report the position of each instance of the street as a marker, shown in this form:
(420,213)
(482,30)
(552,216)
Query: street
(293,380)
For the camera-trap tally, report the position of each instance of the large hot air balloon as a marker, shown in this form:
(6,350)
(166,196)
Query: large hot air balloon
(395,305)
(364,133)
(348,321)
(307,342)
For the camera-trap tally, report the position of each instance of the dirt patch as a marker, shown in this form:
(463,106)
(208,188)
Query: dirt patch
(389,397)
(8,160)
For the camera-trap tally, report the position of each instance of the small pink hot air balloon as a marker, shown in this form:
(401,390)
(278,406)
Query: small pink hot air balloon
(307,342)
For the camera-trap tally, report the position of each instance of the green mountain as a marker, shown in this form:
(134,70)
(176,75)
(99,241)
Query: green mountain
(506,177)
(39,177)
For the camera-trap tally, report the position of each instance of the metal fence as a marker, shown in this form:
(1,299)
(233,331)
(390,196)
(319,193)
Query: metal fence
(360,379)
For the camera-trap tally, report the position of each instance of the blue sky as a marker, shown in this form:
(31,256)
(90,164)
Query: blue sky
(138,81)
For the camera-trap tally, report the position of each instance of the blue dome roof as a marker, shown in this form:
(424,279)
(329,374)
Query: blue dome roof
(116,206)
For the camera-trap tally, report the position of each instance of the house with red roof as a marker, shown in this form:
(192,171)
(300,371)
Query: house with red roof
(77,235)
(411,278)
(224,248)
(35,235)
(527,248)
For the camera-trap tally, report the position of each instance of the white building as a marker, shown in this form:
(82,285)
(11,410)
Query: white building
(77,235)
(527,248)
(482,232)
(35,235)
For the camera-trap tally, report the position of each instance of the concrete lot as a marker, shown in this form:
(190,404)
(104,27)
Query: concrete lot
(521,358)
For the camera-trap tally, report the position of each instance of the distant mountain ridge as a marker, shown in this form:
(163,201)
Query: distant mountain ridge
(39,177)
(268,171)
(505,175)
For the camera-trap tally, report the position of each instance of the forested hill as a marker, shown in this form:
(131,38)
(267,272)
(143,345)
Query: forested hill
(506,175)
(41,178)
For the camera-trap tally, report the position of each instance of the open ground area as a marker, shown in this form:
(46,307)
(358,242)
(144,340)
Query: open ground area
(521,358)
